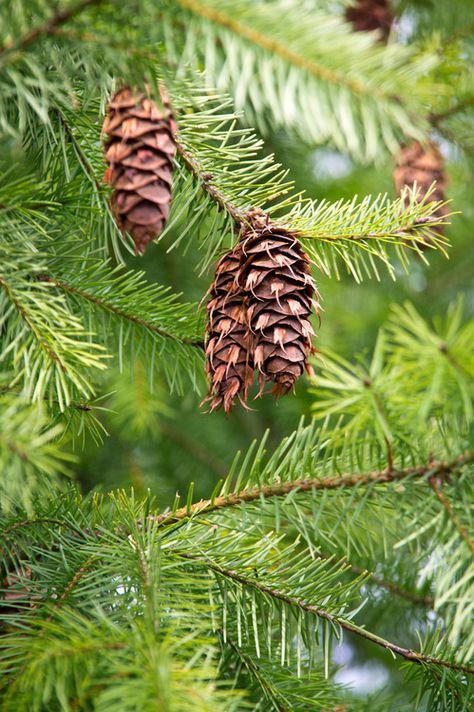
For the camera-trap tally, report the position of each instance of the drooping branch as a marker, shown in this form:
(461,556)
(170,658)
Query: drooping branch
(407,654)
(281,489)
(256,673)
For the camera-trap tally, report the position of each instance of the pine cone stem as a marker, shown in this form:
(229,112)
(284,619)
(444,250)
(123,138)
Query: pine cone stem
(205,180)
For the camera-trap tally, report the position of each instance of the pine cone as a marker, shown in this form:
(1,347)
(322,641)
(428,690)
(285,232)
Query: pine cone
(422,165)
(140,151)
(367,15)
(276,275)
(229,362)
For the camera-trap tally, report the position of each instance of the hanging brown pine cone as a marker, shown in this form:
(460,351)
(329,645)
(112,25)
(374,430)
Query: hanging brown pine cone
(229,361)
(423,165)
(140,149)
(276,276)
(368,15)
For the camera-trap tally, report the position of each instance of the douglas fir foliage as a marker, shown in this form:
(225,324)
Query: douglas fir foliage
(335,550)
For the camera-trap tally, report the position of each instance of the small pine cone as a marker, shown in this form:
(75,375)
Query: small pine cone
(139,150)
(276,275)
(229,362)
(422,165)
(368,15)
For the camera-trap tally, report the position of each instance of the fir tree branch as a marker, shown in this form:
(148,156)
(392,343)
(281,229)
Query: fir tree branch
(108,306)
(44,345)
(219,17)
(451,514)
(462,105)
(49,27)
(81,571)
(255,672)
(407,654)
(329,483)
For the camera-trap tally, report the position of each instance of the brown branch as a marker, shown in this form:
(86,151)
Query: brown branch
(48,27)
(435,484)
(410,655)
(205,179)
(280,489)
(44,520)
(73,582)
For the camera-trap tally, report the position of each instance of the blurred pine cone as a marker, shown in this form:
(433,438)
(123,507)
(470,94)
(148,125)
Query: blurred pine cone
(229,362)
(367,15)
(276,276)
(422,164)
(140,149)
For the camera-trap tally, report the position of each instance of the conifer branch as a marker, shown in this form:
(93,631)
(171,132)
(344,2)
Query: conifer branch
(451,514)
(407,654)
(254,671)
(49,27)
(108,306)
(81,571)
(329,483)
(23,312)
(219,17)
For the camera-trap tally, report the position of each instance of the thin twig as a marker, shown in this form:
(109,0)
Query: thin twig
(254,670)
(451,513)
(32,327)
(205,180)
(394,588)
(410,655)
(281,489)
(48,27)
(73,582)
